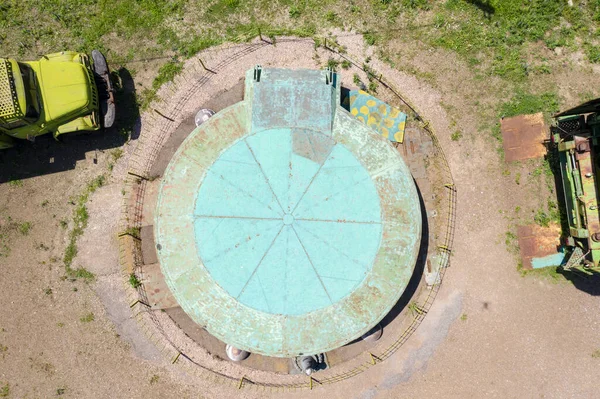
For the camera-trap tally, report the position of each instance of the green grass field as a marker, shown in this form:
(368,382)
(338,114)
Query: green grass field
(507,40)
(491,35)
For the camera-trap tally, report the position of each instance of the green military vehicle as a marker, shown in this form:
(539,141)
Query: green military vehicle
(61,93)
(576,137)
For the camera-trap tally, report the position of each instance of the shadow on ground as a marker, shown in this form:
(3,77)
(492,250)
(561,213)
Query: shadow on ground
(47,156)
(586,281)
(485,6)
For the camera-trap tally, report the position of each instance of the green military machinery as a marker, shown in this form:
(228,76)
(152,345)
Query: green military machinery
(60,93)
(575,136)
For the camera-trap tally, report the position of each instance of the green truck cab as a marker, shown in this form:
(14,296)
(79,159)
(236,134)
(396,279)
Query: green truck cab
(61,93)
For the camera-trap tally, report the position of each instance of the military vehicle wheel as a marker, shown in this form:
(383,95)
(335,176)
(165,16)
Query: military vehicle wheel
(105,89)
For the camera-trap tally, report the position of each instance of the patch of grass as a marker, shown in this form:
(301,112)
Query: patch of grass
(357,81)
(543,69)
(154,379)
(333,63)
(526,103)
(116,154)
(330,16)
(24,228)
(497,134)
(96,183)
(4,248)
(593,53)
(551,214)
(70,253)
(370,38)
(511,241)
(60,391)
(16,183)
(457,135)
(499,30)
(553,211)
(167,73)
(550,273)
(558,38)
(134,281)
(346,64)
(439,20)
(87,318)
(294,12)
(518,178)
(45,203)
(372,87)
(541,218)
(5,390)
(463,317)
(48,291)
(596,354)
(197,44)
(81,273)
(412,4)
(80,221)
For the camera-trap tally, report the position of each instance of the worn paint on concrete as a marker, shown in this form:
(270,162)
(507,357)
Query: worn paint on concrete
(284,225)
(553,260)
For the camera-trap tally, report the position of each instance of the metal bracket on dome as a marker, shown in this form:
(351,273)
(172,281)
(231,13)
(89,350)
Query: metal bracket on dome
(257,72)
(329,73)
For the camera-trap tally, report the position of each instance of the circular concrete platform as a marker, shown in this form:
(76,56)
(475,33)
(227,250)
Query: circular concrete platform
(280,232)
(287,240)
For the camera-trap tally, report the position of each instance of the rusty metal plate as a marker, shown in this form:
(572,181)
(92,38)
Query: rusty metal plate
(538,244)
(523,137)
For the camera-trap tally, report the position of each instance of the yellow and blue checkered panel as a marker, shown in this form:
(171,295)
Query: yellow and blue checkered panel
(383,118)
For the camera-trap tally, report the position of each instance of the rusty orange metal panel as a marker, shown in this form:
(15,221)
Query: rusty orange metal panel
(537,242)
(523,137)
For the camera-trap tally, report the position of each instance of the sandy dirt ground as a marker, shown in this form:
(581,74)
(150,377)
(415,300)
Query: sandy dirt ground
(490,333)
